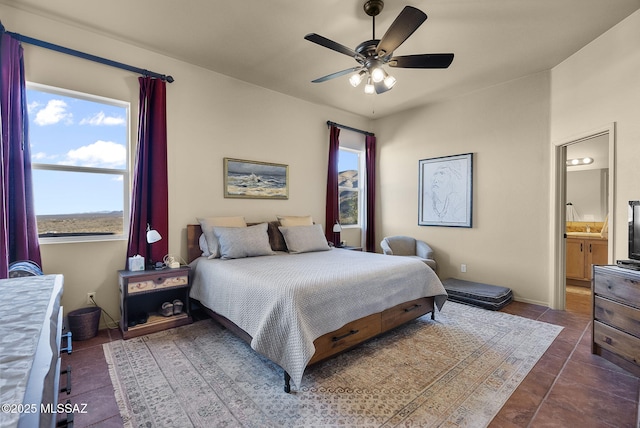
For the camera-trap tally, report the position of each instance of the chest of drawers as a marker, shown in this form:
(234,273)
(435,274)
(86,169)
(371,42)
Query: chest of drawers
(616,316)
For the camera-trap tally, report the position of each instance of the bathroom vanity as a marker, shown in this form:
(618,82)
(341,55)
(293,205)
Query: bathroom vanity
(583,251)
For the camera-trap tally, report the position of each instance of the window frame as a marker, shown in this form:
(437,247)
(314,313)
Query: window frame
(125,173)
(360,189)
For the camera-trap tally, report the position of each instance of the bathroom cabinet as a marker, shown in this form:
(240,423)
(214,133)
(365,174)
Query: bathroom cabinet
(582,253)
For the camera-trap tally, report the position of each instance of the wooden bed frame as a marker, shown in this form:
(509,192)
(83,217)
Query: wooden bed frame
(335,342)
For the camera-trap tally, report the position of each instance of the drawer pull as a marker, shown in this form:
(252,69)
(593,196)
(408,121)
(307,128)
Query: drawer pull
(337,338)
(412,308)
(608,340)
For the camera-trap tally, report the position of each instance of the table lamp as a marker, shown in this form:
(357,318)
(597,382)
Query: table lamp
(336,234)
(152,237)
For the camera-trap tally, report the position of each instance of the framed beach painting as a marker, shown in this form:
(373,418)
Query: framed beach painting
(446,191)
(253,179)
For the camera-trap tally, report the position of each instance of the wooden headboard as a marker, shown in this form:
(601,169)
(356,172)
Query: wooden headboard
(193,247)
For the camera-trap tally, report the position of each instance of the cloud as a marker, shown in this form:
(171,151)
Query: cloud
(101,154)
(32,106)
(42,156)
(55,111)
(102,119)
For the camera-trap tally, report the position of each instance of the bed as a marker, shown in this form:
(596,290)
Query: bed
(30,327)
(299,308)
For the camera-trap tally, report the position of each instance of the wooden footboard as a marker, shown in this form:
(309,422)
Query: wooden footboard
(351,334)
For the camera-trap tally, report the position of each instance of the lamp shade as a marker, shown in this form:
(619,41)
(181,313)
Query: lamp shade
(337,228)
(152,235)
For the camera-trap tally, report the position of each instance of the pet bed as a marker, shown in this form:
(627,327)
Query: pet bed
(486,296)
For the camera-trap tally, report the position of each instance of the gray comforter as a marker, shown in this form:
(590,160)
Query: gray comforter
(286,301)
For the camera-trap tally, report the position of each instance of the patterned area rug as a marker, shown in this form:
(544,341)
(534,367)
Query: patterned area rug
(455,371)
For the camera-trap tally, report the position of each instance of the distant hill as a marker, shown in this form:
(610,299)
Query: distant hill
(348,178)
(82,215)
(348,199)
(101,223)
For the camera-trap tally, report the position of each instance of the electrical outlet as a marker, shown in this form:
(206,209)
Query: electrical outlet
(91,297)
(463,268)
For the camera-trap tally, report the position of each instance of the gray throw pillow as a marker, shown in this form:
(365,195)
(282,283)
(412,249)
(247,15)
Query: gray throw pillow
(208,223)
(304,239)
(239,242)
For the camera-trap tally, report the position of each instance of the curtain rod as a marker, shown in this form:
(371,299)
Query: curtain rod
(329,123)
(73,52)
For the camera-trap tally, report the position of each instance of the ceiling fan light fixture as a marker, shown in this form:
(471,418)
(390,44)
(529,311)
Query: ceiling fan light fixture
(369,89)
(357,78)
(378,74)
(389,81)
(371,55)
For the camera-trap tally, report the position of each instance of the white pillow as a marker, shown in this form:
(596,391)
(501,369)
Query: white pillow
(304,239)
(239,242)
(293,220)
(208,223)
(202,243)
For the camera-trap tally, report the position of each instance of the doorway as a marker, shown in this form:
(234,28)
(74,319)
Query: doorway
(587,202)
(591,211)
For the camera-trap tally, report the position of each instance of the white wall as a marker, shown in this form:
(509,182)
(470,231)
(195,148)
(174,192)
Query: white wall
(599,85)
(210,116)
(506,128)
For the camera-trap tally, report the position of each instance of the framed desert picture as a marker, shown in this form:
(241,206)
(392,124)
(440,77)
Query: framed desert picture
(253,179)
(445,191)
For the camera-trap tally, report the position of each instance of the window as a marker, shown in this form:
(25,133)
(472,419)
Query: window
(350,187)
(79,153)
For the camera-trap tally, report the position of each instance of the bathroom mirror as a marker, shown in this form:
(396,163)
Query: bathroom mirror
(587,190)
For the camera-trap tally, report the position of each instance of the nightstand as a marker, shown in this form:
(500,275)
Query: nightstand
(144,292)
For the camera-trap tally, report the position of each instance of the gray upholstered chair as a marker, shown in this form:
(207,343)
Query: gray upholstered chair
(409,247)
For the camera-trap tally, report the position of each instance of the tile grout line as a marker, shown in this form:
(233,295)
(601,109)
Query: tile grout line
(544,399)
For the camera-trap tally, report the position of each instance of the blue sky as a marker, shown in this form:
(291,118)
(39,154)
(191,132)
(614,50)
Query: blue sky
(347,161)
(70,131)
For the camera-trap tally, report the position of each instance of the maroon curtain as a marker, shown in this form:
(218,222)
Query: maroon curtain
(332,208)
(150,196)
(18,227)
(370,157)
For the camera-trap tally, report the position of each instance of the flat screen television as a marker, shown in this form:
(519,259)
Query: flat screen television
(634,230)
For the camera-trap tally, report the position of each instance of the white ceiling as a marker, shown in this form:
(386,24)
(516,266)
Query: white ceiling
(262,42)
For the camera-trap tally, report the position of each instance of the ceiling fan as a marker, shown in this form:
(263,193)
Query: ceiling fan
(372,54)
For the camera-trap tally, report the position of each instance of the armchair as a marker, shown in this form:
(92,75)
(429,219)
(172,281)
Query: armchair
(409,247)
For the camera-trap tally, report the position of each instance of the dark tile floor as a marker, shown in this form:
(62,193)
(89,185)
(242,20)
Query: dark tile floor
(568,387)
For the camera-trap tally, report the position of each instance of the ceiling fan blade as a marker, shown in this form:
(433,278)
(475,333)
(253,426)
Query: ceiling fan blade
(405,24)
(380,87)
(422,61)
(327,43)
(336,74)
